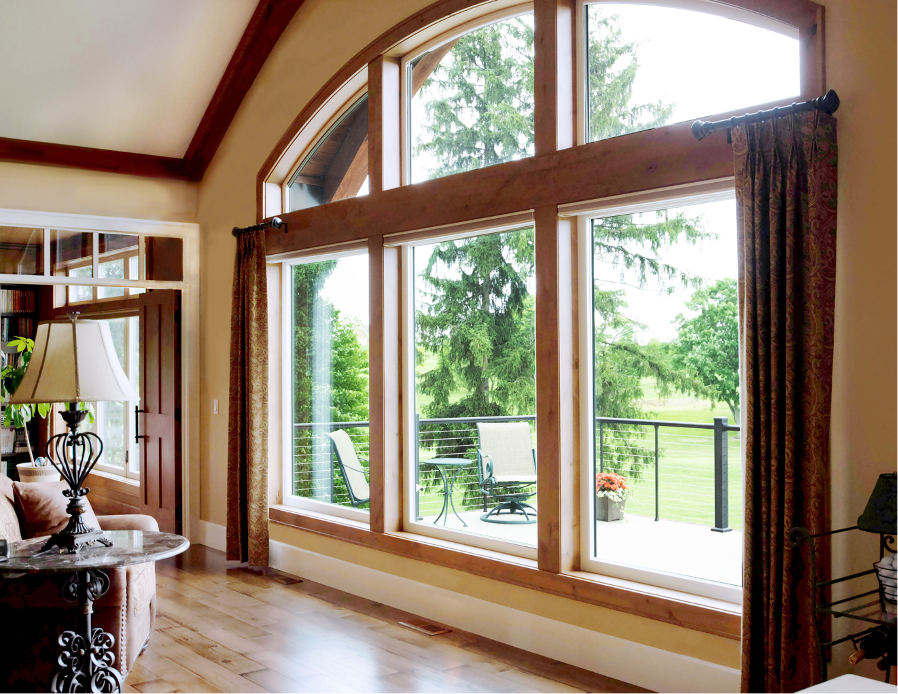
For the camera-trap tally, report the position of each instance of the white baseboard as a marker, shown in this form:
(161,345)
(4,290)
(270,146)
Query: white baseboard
(211,535)
(644,666)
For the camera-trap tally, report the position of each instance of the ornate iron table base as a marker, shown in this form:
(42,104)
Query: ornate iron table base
(86,658)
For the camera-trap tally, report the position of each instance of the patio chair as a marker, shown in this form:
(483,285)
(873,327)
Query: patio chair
(507,466)
(350,467)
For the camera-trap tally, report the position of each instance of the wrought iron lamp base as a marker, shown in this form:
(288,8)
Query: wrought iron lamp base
(71,543)
(74,455)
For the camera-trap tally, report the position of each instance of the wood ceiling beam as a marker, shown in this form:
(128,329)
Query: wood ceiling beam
(265,27)
(129,163)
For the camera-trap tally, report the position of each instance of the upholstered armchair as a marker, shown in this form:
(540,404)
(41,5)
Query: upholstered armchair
(33,615)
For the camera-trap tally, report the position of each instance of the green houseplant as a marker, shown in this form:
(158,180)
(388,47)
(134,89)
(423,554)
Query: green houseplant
(18,416)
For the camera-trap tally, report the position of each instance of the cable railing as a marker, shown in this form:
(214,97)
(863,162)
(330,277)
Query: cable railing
(678,470)
(673,471)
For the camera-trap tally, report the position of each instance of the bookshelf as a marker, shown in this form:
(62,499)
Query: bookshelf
(18,318)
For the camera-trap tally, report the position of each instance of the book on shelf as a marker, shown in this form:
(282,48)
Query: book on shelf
(12,327)
(17,300)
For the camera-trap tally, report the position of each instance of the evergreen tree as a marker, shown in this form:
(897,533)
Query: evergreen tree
(478,320)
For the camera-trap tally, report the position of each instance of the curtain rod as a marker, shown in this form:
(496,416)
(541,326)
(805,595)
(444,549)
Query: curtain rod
(827,103)
(274,222)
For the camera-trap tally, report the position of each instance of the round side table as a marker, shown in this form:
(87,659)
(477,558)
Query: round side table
(442,464)
(86,661)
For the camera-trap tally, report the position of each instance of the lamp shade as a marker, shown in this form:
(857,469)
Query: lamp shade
(73,361)
(879,516)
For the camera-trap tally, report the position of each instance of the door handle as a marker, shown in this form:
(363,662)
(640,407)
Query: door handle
(137,437)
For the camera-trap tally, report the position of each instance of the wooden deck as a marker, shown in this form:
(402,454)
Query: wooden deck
(228,630)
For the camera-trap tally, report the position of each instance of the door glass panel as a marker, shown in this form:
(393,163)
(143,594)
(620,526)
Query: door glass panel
(115,419)
(329,328)
(21,251)
(472,101)
(112,269)
(337,167)
(648,66)
(78,293)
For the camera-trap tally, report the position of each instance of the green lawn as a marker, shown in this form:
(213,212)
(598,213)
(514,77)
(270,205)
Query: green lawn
(686,462)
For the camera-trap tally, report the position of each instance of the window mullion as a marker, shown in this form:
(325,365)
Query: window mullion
(383,124)
(554,71)
(384,387)
(556,428)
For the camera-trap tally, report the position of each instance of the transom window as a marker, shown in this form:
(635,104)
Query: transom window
(648,66)
(471,100)
(337,166)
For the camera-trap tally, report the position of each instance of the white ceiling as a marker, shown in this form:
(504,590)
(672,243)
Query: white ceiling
(127,75)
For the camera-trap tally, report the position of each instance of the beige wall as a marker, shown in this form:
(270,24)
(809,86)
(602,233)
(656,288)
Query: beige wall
(56,189)
(861,67)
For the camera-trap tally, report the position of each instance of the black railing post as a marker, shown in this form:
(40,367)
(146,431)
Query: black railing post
(601,446)
(657,517)
(417,445)
(333,464)
(721,473)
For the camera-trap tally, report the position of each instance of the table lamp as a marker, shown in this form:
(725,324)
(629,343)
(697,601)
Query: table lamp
(74,361)
(879,514)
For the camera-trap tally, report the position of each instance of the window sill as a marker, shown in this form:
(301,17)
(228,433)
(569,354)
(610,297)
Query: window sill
(114,477)
(681,609)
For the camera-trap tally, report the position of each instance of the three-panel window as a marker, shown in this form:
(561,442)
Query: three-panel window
(659,483)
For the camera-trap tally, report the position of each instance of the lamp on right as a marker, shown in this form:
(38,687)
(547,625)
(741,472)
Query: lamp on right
(879,515)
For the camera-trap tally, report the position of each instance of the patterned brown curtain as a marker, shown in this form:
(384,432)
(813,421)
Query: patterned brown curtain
(247,531)
(786,207)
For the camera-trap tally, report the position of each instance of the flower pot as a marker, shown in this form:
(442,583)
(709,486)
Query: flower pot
(609,510)
(30,473)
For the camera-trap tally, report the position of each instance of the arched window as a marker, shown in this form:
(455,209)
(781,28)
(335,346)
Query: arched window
(553,141)
(337,166)
(471,100)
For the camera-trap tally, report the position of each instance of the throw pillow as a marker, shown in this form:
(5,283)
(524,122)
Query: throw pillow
(41,508)
(9,522)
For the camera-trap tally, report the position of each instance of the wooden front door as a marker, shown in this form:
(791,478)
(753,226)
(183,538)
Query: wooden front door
(159,423)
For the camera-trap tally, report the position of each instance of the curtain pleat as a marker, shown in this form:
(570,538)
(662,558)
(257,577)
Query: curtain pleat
(247,529)
(786,208)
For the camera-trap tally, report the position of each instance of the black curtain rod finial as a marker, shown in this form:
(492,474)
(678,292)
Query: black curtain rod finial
(274,222)
(828,103)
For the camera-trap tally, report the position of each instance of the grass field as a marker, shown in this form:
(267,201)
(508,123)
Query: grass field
(686,462)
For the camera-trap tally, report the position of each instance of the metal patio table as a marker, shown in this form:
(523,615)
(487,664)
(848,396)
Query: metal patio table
(442,464)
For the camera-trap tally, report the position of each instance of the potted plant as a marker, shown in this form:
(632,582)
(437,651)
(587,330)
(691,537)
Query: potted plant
(18,416)
(612,493)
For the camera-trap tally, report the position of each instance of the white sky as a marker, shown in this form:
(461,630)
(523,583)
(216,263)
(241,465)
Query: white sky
(347,287)
(711,259)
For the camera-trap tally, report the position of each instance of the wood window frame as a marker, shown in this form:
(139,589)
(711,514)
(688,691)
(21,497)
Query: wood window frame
(560,174)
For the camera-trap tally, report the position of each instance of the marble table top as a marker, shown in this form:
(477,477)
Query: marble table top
(128,547)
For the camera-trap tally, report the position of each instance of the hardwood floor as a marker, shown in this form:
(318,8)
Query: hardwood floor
(230,630)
